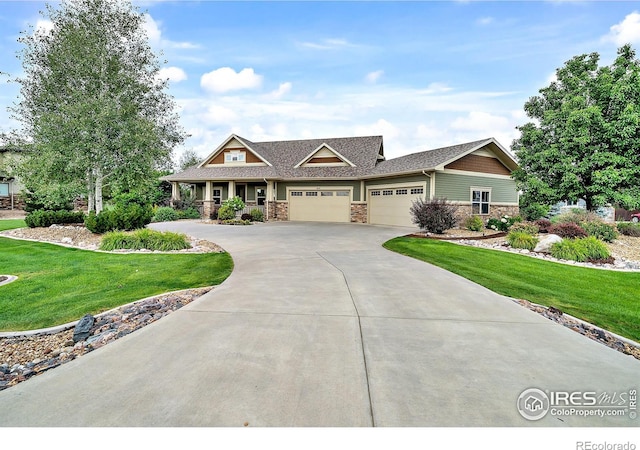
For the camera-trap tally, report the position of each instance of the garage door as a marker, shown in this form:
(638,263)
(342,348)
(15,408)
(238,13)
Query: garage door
(321,205)
(390,206)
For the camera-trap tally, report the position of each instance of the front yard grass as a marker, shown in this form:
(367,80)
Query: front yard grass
(57,285)
(605,298)
(10,224)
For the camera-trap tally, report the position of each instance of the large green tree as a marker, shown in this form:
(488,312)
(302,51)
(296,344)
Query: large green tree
(584,139)
(93,111)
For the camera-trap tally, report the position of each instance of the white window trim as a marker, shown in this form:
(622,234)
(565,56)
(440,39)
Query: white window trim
(241,157)
(481,189)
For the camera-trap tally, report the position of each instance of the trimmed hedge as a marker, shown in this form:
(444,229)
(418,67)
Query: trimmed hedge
(123,218)
(42,218)
(165,214)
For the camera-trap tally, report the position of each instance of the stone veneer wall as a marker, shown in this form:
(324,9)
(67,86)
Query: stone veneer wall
(495,211)
(281,211)
(18,202)
(358,212)
(207,208)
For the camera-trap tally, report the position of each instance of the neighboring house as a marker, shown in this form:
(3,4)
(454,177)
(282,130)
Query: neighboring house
(349,179)
(607,213)
(9,187)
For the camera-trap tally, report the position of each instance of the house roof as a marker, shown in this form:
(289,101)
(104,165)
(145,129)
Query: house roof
(437,159)
(284,160)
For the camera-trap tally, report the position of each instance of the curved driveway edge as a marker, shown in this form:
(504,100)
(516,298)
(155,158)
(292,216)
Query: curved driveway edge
(319,325)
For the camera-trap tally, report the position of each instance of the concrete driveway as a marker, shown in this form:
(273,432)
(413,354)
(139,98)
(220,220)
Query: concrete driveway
(320,326)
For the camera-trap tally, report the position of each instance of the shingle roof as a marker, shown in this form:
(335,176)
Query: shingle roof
(361,151)
(427,160)
(285,155)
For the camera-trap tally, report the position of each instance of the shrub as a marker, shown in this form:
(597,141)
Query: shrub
(503,223)
(129,217)
(235,203)
(629,229)
(576,215)
(534,211)
(43,218)
(226,212)
(189,213)
(144,239)
(581,249)
(568,230)
(473,223)
(525,227)
(257,215)
(165,214)
(600,230)
(434,216)
(246,216)
(543,225)
(521,239)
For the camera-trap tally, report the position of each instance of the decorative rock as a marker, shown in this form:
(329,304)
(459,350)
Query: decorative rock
(66,240)
(545,244)
(83,328)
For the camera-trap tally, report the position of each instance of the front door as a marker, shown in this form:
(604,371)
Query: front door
(241,191)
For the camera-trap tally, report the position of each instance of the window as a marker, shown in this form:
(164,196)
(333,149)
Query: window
(311,194)
(4,189)
(326,194)
(234,157)
(216,196)
(387,192)
(480,201)
(296,194)
(261,195)
(401,192)
(342,193)
(417,191)
(374,193)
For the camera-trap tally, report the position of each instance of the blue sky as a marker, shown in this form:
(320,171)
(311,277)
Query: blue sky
(422,74)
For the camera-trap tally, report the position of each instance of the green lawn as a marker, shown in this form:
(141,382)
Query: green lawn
(9,224)
(608,299)
(57,284)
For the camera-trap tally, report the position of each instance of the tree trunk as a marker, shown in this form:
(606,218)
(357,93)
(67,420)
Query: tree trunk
(98,182)
(91,203)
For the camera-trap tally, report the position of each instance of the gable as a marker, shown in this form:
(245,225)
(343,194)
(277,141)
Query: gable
(480,161)
(325,156)
(234,153)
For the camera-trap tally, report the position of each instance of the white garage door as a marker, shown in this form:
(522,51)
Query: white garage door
(390,206)
(320,205)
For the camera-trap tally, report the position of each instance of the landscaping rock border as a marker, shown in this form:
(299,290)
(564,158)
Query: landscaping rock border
(26,354)
(611,340)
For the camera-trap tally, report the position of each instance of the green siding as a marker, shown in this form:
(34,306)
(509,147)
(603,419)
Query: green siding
(409,179)
(282,186)
(456,187)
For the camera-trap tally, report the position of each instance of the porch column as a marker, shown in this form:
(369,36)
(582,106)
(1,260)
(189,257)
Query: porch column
(232,189)
(208,191)
(175,191)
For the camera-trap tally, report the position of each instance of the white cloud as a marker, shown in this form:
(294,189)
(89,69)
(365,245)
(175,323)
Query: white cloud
(175,74)
(217,114)
(154,33)
(625,32)
(479,121)
(43,26)
(328,44)
(226,79)
(437,88)
(380,127)
(373,77)
(152,29)
(282,90)
(484,21)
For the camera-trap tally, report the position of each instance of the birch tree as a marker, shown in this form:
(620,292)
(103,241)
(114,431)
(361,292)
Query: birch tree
(93,111)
